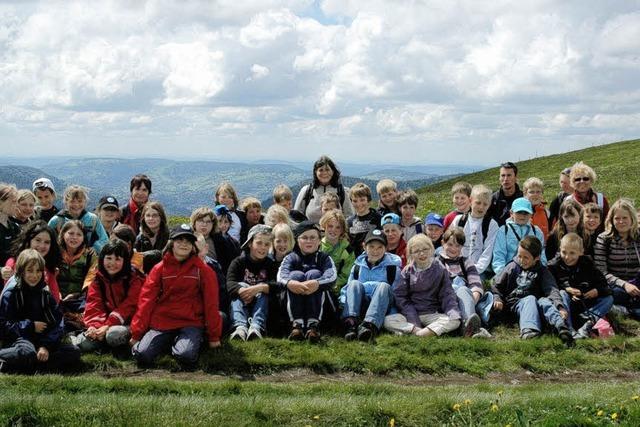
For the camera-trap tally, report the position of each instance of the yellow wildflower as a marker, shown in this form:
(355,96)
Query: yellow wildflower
(467,402)
(500,392)
(456,407)
(494,408)
(614,416)
(636,397)
(600,413)
(392,422)
(316,417)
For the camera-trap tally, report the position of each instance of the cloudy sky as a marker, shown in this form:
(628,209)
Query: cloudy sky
(360,80)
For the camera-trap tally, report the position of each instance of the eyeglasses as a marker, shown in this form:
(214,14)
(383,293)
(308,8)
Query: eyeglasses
(152,215)
(308,238)
(205,221)
(420,251)
(583,179)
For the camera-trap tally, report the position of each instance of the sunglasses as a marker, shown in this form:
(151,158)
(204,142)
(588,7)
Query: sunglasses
(583,179)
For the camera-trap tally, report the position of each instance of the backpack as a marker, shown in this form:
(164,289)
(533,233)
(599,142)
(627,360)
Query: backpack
(486,222)
(391,273)
(510,226)
(308,195)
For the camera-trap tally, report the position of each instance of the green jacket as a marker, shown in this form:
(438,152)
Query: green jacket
(343,257)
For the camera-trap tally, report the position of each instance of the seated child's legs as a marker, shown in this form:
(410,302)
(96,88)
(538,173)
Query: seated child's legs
(439,323)
(117,336)
(187,345)
(621,297)
(599,307)
(298,276)
(381,299)
(528,315)
(566,300)
(64,358)
(550,312)
(239,314)
(353,294)
(484,306)
(152,344)
(86,345)
(296,308)
(21,355)
(465,301)
(313,308)
(398,324)
(313,274)
(259,312)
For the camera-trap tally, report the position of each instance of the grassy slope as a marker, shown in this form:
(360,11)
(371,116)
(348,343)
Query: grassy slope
(617,166)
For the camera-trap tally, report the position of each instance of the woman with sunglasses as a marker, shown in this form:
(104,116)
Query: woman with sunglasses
(582,178)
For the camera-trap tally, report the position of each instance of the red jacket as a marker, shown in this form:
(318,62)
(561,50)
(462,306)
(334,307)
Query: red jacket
(177,295)
(110,305)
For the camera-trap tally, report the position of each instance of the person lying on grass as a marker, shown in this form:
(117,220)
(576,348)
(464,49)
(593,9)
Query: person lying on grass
(369,289)
(525,287)
(427,302)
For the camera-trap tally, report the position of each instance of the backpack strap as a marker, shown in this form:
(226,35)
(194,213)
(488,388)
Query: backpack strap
(308,195)
(391,274)
(341,195)
(506,230)
(486,222)
(463,220)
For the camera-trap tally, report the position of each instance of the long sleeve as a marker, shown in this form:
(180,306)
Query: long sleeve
(146,303)
(401,291)
(487,248)
(448,298)
(329,273)
(500,251)
(103,237)
(122,314)
(95,314)
(284,272)
(235,276)
(213,321)
(550,288)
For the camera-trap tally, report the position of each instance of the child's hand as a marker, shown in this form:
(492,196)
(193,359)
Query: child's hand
(43,354)
(632,289)
(7,272)
(593,293)
(297,287)
(214,344)
(497,305)
(247,294)
(39,327)
(564,313)
(90,333)
(101,332)
(574,292)
(312,286)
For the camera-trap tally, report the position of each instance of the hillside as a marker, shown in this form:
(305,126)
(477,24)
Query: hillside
(23,177)
(617,166)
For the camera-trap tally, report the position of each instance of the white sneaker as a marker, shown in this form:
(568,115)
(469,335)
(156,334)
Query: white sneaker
(254,333)
(482,333)
(239,334)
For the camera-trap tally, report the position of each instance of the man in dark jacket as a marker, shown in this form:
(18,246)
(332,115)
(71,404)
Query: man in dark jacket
(509,191)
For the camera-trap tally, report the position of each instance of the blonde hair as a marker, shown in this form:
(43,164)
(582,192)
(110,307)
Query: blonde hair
(481,192)
(581,169)
(227,188)
(533,182)
(461,187)
(26,258)
(25,194)
(330,197)
(419,239)
(386,185)
(625,205)
(572,241)
(282,193)
(276,214)
(338,216)
(75,192)
(250,202)
(283,230)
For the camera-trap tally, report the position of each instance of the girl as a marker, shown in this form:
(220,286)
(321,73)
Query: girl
(276,214)
(593,226)
(226,195)
(427,302)
(26,208)
(140,188)
(39,236)
(227,248)
(76,272)
(306,273)
(75,203)
(251,276)
(283,242)
(617,254)
(178,304)
(9,230)
(569,221)
(109,213)
(31,321)
(252,209)
(154,232)
(112,298)
(326,178)
(336,244)
(204,222)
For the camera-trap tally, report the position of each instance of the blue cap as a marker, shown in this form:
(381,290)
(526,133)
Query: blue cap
(521,205)
(390,218)
(220,210)
(433,218)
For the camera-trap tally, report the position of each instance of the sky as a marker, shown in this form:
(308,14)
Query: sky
(465,82)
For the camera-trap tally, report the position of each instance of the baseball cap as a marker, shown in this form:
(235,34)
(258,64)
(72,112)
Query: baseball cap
(221,210)
(183,230)
(374,235)
(42,183)
(521,205)
(433,218)
(256,229)
(108,201)
(305,226)
(390,218)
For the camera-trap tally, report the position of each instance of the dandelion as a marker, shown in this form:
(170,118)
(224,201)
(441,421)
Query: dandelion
(614,416)
(392,422)
(636,398)
(467,402)
(500,392)
(456,407)
(316,417)
(494,408)
(600,413)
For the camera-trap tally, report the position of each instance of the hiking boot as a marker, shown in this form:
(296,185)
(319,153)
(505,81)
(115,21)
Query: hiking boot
(482,333)
(313,335)
(254,333)
(366,331)
(297,334)
(351,332)
(565,335)
(528,334)
(584,331)
(239,334)
(471,326)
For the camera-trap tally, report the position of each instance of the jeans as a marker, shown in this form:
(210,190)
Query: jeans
(599,307)
(465,298)
(21,355)
(256,311)
(528,310)
(184,344)
(116,336)
(305,309)
(377,304)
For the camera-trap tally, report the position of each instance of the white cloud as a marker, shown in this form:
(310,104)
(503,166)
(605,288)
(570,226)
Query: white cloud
(259,72)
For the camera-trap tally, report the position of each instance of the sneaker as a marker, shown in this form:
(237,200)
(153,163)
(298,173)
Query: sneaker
(366,331)
(471,326)
(254,333)
(482,333)
(584,331)
(313,335)
(528,334)
(351,332)
(297,334)
(239,334)
(565,335)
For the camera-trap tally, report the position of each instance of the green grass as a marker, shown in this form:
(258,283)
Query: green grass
(91,400)
(617,166)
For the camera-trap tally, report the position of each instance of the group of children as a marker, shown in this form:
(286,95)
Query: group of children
(78,281)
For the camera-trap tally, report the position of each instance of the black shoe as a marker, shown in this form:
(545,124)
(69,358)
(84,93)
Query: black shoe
(296,334)
(313,335)
(351,332)
(366,331)
(565,336)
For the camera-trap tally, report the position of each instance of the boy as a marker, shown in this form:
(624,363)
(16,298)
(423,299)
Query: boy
(584,289)
(461,193)
(411,225)
(533,190)
(508,236)
(393,232)
(434,227)
(46,194)
(283,196)
(329,202)
(364,219)
(525,287)
(479,230)
(370,284)
(387,193)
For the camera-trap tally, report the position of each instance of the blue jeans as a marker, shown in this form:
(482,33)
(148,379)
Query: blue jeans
(528,310)
(465,297)
(376,302)
(305,309)
(484,307)
(599,307)
(256,311)
(21,355)
(184,344)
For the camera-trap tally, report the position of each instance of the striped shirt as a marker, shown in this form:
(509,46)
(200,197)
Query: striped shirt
(619,263)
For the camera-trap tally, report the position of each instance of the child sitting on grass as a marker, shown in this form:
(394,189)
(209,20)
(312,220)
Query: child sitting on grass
(369,289)
(364,218)
(433,228)
(387,193)
(461,193)
(336,244)
(31,321)
(427,302)
(393,231)
(525,288)
(584,288)
(569,221)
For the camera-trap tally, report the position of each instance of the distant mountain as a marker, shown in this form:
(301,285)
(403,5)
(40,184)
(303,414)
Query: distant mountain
(23,177)
(398,175)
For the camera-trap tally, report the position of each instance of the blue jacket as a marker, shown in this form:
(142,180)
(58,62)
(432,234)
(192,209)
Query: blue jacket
(505,247)
(95,234)
(296,261)
(20,306)
(371,276)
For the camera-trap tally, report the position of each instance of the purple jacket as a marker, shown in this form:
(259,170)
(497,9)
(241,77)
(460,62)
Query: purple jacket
(426,292)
